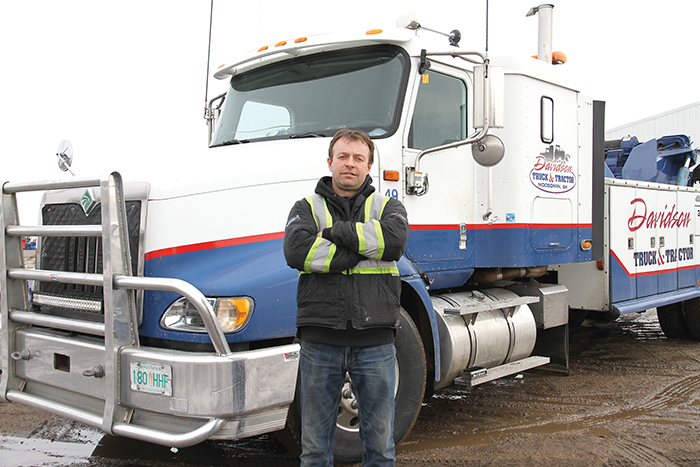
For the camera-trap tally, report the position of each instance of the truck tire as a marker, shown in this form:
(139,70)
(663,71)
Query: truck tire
(411,380)
(672,321)
(691,313)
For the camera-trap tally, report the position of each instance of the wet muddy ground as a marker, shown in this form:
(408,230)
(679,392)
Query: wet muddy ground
(633,398)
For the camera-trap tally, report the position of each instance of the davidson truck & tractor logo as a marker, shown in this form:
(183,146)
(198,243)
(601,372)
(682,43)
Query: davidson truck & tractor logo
(667,219)
(552,172)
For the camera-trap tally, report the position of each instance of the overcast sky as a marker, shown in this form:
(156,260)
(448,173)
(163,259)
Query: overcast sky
(125,81)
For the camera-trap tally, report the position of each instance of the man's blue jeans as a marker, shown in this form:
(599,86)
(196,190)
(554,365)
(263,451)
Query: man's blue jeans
(373,373)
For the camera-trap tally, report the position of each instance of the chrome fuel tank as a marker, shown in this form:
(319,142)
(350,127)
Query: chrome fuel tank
(482,329)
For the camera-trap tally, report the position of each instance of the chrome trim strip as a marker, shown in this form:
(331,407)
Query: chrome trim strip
(57,408)
(55,230)
(178,440)
(57,322)
(56,276)
(8,188)
(169,439)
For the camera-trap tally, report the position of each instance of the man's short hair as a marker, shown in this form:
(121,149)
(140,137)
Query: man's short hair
(354,135)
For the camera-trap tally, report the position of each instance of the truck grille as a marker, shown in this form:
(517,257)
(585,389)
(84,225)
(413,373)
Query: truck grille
(77,254)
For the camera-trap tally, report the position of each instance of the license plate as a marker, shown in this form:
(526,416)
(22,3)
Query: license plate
(152,378)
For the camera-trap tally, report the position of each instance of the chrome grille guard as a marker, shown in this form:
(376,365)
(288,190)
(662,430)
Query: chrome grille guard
(120,326)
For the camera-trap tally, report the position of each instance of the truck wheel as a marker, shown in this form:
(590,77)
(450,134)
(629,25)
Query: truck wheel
(691,312)
(410,388)
(672,321)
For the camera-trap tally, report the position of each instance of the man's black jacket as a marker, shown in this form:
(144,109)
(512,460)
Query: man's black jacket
(348,275)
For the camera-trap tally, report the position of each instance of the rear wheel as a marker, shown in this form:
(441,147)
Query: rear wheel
(672,321)
(691,313)
(410,387)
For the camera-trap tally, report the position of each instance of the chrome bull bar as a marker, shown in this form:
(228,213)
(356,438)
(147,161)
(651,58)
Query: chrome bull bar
(120,326)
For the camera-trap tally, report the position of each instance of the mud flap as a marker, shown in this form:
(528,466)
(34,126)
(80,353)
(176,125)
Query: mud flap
(554,343)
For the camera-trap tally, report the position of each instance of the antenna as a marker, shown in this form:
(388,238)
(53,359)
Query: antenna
(206,85)
(487,27)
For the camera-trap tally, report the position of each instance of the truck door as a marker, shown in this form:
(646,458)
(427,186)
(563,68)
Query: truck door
(438,239)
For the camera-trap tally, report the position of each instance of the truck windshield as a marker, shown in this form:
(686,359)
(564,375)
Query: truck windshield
(360,88)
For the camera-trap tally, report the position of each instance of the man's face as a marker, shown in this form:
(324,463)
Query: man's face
(349,166)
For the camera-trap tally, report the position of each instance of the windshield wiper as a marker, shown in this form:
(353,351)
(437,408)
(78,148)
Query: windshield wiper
(309,134)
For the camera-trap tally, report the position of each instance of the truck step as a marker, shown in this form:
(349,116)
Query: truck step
(475,376)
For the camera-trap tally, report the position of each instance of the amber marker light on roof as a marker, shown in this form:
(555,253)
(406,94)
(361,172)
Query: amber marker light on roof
(391,175)
(558,57)
(221,66)
(372,32)
(300,40)
(281,43)
(263,48)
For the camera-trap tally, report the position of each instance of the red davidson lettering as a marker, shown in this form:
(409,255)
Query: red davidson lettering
(666,219)
(559,166)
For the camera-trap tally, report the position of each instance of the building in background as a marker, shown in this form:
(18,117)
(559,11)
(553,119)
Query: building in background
(684,120)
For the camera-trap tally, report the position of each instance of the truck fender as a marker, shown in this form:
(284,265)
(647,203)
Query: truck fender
(410,277)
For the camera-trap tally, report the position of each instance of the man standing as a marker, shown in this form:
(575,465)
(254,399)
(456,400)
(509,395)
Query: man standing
(345,240)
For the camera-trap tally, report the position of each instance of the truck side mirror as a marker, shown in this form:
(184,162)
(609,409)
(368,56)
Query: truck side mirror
(489,90)
(64,153)
(488,151)
(212,114)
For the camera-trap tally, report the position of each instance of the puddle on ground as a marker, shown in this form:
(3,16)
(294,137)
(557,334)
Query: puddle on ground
(593,425)
(600,432)
(644,326)
(260,450)
(81,446)
(660,421)
(25,452)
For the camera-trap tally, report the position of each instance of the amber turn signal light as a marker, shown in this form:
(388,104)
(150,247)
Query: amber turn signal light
(391,175)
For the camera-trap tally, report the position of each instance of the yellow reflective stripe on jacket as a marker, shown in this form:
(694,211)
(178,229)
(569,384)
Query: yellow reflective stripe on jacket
(322,251)
(371,239)
(320,255)
(318,205)
(369,234)
(374,266)
(374,206)
(360,236)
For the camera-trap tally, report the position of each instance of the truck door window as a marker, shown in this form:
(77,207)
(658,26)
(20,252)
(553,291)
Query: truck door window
(440,114)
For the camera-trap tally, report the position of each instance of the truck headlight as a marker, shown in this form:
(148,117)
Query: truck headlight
(232,313)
